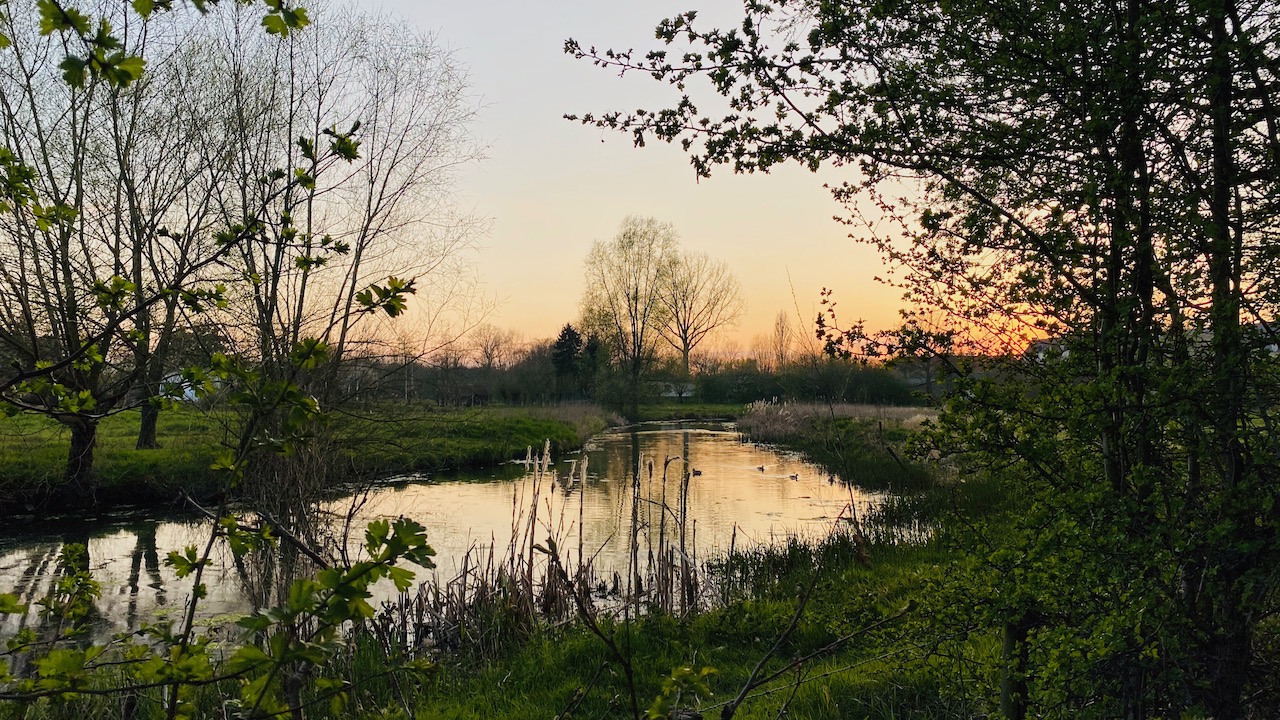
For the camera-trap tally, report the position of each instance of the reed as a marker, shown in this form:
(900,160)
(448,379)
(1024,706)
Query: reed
(504,594)
(774,421)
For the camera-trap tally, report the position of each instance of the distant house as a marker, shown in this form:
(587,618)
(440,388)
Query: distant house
(675,390)
(1266,336)
(173,385)
(1047,349)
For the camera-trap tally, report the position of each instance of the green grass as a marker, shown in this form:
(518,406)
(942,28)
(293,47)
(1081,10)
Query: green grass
(379,440)
(399,439)
(33,453)
(691,411)
(870,677)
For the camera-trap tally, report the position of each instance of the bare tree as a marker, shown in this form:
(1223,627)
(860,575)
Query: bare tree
(625,278)
(494,348)
(169,161)
(131,185)
(390,216)
(701,295)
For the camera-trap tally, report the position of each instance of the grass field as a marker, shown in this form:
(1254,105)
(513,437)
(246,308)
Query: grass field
(383,439)
(691,411)
(33,451)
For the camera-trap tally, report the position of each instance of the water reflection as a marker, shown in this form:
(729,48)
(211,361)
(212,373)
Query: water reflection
(736,494)
(730,498)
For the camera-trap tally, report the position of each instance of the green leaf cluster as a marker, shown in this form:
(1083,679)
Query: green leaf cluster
(390,297)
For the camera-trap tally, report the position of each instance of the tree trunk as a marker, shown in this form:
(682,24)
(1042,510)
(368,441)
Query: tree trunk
(633,402)
(1013,679)
(77,482)
(1229,649)
(1229,655)
(147,428)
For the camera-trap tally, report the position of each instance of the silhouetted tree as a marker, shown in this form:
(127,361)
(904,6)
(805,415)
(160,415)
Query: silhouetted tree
(701,296)
(564,356)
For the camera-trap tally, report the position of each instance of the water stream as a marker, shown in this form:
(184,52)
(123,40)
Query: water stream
(739,494)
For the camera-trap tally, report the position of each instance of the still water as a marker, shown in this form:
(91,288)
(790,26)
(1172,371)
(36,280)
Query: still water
(739,494)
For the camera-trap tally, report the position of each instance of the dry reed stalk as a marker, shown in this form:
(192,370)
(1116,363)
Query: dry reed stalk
(582,487)
(685,600)
(495,595)
(517,512)
(663,550)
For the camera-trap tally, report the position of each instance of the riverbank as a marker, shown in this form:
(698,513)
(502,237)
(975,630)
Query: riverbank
(505,645)
(864,645)
(366,442)
(866,633)
(861,444)
(851,633)
(691,411)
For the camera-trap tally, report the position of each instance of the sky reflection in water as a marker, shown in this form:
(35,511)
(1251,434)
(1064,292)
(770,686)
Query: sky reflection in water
(732,500)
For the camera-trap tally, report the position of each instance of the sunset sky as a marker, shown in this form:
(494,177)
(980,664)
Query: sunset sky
(551,187)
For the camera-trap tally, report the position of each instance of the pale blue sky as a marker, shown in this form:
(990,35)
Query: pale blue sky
(551,187)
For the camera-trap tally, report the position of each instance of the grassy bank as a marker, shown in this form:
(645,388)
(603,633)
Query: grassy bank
(862,444)
(866,634)
(691,411)
(870,676)
(399,438)
(373,440)
(863,638)
(33,453)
